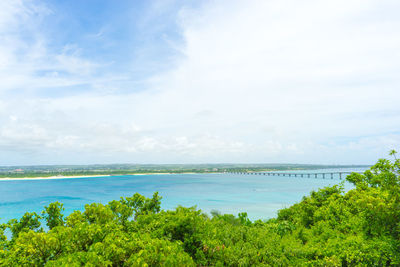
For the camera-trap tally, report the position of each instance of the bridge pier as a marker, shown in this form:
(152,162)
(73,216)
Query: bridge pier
(291,174)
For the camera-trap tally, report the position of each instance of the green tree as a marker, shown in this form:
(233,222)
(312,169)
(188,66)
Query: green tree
(53,215)
(29,221)
(330,227)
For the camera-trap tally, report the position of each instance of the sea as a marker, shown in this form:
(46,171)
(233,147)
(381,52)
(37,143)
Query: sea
(261,196)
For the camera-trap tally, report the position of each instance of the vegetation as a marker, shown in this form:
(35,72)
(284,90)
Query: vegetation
(329,227)
(126,169)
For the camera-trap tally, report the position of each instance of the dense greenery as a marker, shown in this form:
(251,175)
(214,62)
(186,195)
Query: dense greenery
(327,228)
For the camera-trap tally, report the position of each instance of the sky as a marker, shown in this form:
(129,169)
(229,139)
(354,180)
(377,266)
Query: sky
(224,81)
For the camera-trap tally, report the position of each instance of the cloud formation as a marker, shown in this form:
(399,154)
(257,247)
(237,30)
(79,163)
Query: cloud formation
(247,81)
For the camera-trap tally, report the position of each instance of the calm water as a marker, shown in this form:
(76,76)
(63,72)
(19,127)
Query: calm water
(260,196)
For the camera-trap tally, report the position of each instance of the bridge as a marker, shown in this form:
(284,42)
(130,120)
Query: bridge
(322,175)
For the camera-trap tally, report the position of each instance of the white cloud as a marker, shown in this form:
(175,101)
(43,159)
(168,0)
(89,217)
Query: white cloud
(29,61)
(259,81)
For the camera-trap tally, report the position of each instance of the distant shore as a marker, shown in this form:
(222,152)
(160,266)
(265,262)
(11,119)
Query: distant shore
(50,177)
(83,176)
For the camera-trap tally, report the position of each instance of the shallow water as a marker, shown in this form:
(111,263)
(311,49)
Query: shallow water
(258,195)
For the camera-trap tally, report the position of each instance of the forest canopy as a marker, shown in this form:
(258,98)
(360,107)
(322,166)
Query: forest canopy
(330,227)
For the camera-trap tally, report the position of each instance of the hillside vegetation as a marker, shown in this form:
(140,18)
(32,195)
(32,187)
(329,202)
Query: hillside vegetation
(329,227)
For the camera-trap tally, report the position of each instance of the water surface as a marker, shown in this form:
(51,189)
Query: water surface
(258,195)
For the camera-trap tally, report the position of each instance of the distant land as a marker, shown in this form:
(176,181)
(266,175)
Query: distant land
(127,169)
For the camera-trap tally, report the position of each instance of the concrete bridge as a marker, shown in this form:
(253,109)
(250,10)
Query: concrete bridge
(323,175)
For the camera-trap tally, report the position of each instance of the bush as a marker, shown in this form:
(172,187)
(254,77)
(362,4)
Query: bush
(327,228)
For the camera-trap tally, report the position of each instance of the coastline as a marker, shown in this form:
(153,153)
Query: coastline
(50,177)
(83,176)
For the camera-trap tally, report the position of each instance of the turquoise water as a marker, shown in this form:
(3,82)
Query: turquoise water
(258,195)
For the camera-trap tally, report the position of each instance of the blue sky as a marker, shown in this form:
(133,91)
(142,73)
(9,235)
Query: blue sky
(131,38)
(198,81)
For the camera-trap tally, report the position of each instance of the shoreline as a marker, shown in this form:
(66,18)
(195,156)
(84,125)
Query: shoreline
(51,177)
(83,176)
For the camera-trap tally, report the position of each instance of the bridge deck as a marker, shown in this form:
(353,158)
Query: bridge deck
(322,175)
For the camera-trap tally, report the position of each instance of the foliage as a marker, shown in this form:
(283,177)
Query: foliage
(29,221)
(53,215)
(329,227)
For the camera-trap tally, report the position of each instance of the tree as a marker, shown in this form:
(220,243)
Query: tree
(53,215)
(29,221)
(330,227)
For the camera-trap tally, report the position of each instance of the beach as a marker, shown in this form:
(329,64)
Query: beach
(49,177)
(83,176)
